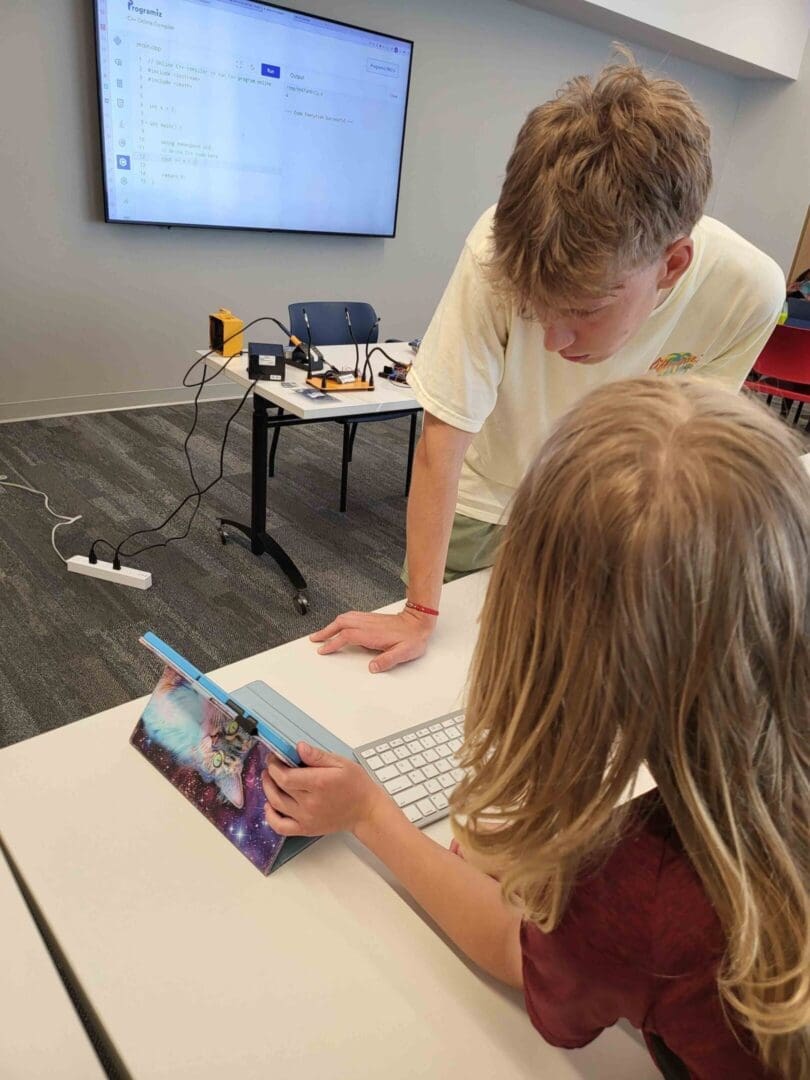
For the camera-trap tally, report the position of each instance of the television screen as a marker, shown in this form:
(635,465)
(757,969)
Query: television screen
(241,114)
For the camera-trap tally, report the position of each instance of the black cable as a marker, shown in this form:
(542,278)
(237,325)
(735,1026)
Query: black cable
(370,353)
(198,491)
(198,494)
(116,549)
(199,385)
(379,348)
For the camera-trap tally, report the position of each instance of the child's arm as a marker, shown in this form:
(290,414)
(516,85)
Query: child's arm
(334,794)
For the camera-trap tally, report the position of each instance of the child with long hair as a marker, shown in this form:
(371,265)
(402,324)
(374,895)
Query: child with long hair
(650,604)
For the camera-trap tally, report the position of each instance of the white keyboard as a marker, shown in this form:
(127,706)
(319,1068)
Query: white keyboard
(417,766)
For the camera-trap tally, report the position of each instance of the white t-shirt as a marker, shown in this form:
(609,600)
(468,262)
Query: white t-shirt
(482,368)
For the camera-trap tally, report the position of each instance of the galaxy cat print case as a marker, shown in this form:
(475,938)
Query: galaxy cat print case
(213,746)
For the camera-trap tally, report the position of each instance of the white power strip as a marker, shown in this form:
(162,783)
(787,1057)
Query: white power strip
(80,564)
(136,579)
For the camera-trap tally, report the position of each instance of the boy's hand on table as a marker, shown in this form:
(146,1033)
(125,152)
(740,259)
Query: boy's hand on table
(331,795)
(397,638)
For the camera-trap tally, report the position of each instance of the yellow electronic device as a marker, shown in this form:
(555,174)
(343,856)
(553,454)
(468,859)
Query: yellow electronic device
(225,332)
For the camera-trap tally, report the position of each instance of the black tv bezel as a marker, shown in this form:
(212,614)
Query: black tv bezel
(254,228)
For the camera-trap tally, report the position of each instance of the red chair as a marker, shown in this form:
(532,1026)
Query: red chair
(782,369)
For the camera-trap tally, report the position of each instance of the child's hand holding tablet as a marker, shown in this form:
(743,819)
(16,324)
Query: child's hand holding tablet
(331,795)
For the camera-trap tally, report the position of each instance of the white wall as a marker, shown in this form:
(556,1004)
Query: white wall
(764,33)
(101,316)
(746,37)
(764,189)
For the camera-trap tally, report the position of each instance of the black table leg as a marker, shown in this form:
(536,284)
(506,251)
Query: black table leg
(261,543)
(271,468)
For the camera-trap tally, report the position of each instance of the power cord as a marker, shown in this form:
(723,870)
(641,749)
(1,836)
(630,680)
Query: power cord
(64,518)
(198,491)
(379,348)
(196,494)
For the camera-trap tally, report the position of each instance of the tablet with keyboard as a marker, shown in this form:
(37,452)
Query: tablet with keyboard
(212,746)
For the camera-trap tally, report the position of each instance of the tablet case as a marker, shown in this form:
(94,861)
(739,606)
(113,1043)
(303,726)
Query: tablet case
(195,735)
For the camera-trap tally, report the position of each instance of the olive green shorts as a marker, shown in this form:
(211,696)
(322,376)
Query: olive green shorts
(473,545)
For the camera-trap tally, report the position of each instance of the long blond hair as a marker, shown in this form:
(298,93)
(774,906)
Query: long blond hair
(650,602)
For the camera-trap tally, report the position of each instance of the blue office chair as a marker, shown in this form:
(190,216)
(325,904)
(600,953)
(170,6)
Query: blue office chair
(327,320)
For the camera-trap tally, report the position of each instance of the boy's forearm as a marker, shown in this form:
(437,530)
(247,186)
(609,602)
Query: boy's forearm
(463,901)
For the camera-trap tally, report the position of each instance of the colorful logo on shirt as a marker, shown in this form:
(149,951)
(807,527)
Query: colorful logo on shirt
(674,364)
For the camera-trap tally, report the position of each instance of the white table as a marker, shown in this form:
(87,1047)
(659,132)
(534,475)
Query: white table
(40,1032)
(387,400)
(199,967)
(386,397)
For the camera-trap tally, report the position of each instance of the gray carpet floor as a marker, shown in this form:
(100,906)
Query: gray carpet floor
(69,644)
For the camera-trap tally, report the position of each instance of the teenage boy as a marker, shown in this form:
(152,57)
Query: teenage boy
(597,264)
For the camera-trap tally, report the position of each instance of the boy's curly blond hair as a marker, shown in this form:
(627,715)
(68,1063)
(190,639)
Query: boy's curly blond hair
(601,180)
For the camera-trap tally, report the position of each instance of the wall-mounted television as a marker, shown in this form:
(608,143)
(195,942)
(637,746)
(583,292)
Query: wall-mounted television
(245,115)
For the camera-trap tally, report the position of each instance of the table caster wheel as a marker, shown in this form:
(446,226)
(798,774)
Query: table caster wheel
(302,604)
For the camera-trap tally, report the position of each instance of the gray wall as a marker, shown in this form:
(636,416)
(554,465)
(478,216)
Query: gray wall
(765,188)
(98,316)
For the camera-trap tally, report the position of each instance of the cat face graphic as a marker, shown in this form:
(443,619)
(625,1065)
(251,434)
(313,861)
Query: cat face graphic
(236,739)
(198,735)
(221,767)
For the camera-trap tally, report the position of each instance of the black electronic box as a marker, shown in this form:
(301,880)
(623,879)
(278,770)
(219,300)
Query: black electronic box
(265,361)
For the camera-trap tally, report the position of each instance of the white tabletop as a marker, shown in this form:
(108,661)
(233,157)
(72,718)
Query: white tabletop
(40,1033)
(199,966)
(386,397)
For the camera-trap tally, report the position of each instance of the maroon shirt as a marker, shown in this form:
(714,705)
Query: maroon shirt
(639,939)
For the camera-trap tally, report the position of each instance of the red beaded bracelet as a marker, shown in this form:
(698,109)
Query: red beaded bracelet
(420,607)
